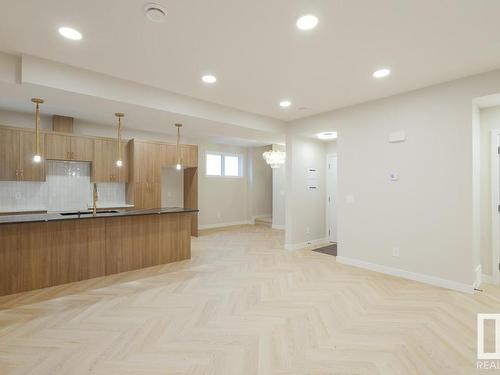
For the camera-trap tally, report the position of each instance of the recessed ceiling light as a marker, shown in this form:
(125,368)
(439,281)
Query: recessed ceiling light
(327,135)
(209,78)
(307,22)
(285,103)
(155,12)
(70,33)
(381,73)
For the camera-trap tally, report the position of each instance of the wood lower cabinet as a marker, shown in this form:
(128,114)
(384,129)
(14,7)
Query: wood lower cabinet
(39,255)
(17,149)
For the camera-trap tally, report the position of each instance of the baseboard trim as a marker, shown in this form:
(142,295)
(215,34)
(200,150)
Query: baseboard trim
(222,225)
(478,271)
(436,281)
(302,245)
(276,226)
(487,279)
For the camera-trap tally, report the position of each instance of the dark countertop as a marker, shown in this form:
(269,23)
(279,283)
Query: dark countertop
(34,218)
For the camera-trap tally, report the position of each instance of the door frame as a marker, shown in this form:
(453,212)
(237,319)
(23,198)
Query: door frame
(327,190)
(495,203)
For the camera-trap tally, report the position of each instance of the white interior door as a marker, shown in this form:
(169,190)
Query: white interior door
(331,197)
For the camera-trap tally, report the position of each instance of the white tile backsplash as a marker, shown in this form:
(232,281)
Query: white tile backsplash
(67,188)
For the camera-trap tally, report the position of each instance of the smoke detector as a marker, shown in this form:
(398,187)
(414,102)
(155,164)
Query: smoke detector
(155,12)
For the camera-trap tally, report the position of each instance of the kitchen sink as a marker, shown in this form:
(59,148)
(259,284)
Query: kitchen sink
(79,213)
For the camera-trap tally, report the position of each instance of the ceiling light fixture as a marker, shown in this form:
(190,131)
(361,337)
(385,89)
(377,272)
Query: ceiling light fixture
(381,73)
(327,135)
(70,33)
(37,158)
(209,78)
(119,161)
(285,103)
(274,158)
(307,22)
(155,12)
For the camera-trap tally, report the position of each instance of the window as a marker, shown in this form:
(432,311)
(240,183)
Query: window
(224,165)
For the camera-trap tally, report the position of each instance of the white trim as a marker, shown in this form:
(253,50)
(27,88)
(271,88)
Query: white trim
(260,217)
(436,281)
(222,225)
(277,226)
(495,235)
(486,279)
(327,191)
(479,276)
(302,245)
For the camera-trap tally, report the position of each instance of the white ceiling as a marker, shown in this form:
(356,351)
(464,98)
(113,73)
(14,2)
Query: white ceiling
(257,53)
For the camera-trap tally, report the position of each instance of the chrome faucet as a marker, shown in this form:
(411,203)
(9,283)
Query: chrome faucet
(95,196)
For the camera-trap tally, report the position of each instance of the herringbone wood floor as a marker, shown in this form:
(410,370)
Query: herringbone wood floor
(243,305)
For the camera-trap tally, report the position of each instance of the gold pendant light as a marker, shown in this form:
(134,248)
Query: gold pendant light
(119,161)
(37,158)
(178,166)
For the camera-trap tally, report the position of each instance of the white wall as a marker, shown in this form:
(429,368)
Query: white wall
(221,199)
(305,207)
(260,182)
(489,120)
(279,192)
(428,213)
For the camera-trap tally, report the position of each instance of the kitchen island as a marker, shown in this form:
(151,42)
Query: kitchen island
(43,250)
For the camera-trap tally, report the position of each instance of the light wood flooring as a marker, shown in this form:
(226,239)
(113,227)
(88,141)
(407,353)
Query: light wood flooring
(243,305)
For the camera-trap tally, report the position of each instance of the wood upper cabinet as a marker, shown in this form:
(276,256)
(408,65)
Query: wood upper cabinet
(9,155)
(81,148)
(31,171)
(57,147)
(189,155)
(17,149)
(104,168)
(66,147)
(168,154)
(147,164)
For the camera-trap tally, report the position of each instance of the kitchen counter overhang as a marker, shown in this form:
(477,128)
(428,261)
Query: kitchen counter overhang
(43,250)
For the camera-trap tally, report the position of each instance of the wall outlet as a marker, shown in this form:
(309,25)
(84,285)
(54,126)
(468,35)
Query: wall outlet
(18,195)
(169,194)
(395,251)
(308,230)
(218,215)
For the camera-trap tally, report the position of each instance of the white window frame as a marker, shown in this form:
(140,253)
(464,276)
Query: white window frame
(222,154)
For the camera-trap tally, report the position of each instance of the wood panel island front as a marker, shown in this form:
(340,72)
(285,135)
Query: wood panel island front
(38,251)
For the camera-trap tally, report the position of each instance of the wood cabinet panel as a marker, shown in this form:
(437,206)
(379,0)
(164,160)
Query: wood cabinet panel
(104,160)
(147,163)
(81,148)
(105,156)
(29,170)
(189,156)
(57,147)
(39,255)
(146,195)
(191,196)
(168,155)
(9,154)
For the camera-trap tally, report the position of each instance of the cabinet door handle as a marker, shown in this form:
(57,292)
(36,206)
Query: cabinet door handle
(17,173)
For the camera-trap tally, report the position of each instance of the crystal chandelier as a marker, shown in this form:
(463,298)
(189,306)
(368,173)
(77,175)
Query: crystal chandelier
(274,158)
